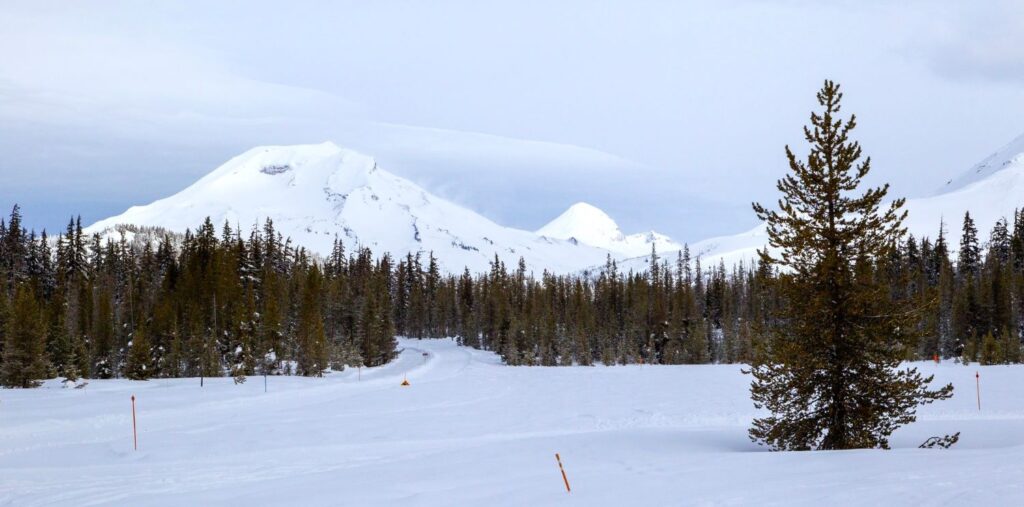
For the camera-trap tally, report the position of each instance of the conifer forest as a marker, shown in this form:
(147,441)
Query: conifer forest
(226,302)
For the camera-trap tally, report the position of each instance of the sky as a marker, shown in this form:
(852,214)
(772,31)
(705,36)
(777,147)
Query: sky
(670,116)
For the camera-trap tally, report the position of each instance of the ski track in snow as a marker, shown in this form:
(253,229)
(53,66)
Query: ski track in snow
(470,431)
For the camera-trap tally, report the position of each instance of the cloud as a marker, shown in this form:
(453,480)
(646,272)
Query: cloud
(67,68)
(978,40)
(669,115)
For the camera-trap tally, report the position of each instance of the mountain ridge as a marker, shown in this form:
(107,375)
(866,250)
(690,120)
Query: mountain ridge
(316,193)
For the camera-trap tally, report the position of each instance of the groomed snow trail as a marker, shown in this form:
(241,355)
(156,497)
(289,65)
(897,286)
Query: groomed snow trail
(470,431)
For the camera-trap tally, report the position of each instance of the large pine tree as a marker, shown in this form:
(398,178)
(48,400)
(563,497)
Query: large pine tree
(830,371)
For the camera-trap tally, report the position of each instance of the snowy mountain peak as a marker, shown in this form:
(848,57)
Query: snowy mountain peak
(589,225)
(342,170)
(584,222)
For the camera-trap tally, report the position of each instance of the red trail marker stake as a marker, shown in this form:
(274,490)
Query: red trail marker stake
(135,434)
(564,478)
(977,383)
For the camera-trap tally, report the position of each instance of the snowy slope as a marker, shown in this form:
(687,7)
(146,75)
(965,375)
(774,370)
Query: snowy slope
(589,225)
(470,431)
(992,189)
(1009,155)
(314,193)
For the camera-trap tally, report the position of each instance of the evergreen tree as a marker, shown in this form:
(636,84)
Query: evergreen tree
(61,348)
(139,363)
(14,249)
(103,336)
(313,353)
(374,328)
(24,360)
(1017,241)
(4,315)
(999,244)
(990,351)
(830,373)
(243,361)
(969,258)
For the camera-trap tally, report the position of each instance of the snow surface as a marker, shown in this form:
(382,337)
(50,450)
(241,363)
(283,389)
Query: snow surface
(470,431)
(591,226)
(315,193)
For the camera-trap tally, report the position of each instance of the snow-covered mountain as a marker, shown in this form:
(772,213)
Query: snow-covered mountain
(315,193)
(992,189)
(588,225)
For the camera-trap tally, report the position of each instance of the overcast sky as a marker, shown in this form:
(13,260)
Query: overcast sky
(668,115)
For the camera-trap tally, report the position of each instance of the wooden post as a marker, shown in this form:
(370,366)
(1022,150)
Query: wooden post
(977,383)
(135,434)
(564,478)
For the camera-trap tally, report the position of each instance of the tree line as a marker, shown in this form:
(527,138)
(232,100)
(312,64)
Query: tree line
(153,304)
(202,304)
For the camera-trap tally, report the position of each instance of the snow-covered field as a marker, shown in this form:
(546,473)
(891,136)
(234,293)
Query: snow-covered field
(469,431)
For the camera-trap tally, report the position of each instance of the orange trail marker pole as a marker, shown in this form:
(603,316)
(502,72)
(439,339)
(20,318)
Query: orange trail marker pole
(135,433)
(564,478)
(977,383)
